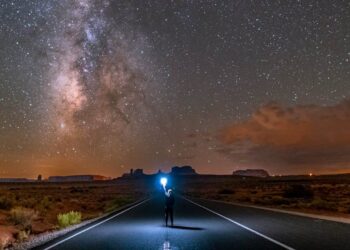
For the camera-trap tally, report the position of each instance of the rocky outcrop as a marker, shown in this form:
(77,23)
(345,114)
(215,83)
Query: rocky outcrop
(252,172)
(134,173)
(184,170)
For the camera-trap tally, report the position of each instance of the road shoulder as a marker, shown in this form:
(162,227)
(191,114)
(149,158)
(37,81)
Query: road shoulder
(41,240)
(308,215)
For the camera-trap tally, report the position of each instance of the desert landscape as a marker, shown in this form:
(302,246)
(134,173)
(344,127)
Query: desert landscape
(326,195)
(29,209)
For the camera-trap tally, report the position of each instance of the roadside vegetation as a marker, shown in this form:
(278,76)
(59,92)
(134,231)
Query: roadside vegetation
(305,194)
(68,219)
(30,209)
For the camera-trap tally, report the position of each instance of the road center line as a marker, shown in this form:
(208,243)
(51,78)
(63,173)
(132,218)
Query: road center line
(95,225)
(243,226)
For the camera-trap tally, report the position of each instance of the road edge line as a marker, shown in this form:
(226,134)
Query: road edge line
(243,226)
(95,225)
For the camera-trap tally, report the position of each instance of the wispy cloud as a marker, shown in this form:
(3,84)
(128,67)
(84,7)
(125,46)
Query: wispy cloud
(291,139)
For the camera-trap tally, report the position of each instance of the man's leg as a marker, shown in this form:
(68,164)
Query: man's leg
(172,216)
(166,216)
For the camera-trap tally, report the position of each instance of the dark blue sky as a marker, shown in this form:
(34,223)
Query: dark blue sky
(102,86)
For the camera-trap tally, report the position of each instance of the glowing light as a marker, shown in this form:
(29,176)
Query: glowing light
(163,181)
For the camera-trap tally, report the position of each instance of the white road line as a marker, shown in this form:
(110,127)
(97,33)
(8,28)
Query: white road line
(243,226)
(95,225)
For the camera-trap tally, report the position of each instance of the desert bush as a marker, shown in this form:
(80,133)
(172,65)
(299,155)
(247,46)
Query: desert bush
(117,202)
(259,201)
(342,209)
(84,206)
(298,191)
(226,191)
(323,205)
(5,240)
(22,235)
(58,199)
(68,219)
(77,190)
(45,203)
(278,200)
(23,216)
(5,203)
(244,199)
(29,202)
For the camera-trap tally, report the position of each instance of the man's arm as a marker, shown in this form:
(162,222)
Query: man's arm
(166,192)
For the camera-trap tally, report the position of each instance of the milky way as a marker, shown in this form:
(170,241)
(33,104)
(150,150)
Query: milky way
(91,86)
(98,80)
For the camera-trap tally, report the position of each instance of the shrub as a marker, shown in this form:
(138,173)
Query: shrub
(244,199)
(23,217)
(77,190)
(226,191)
(22,236)
(117,202)
(45,203)
(298,191)
(5,203)
(68,219)
(323,205)
(6,238)
(29,202)
(277,200)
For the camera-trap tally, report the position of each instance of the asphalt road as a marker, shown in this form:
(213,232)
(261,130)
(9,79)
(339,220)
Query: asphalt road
(205,225)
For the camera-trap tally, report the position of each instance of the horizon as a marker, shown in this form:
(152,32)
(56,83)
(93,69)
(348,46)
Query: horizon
(149,172)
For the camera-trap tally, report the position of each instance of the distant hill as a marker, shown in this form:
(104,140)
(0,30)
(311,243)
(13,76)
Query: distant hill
(73,178)
(13,180)
(251,173)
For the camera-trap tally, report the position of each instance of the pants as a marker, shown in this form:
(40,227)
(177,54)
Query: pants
(169,212)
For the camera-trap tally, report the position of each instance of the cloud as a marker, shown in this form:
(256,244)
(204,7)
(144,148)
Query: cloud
(275,136)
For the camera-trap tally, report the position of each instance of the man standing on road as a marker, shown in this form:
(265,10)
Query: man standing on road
(169,206)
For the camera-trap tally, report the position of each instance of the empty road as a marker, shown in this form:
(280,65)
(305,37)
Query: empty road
(205,225)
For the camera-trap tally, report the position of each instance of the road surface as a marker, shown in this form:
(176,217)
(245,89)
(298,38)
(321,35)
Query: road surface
(205,225)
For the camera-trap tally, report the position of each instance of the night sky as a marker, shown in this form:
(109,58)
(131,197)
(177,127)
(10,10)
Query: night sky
(102,86)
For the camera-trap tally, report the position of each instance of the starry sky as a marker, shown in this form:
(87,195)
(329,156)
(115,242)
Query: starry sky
(102,86)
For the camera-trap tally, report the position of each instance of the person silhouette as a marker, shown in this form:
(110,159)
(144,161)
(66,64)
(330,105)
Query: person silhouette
(169,206)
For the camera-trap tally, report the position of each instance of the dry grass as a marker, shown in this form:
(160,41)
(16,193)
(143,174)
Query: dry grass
(23,217)
(314,195)
(27,209)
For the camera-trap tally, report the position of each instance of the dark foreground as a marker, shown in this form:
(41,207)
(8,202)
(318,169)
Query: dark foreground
(224,227)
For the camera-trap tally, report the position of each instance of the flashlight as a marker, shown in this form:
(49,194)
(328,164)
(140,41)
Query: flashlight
(163,181)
